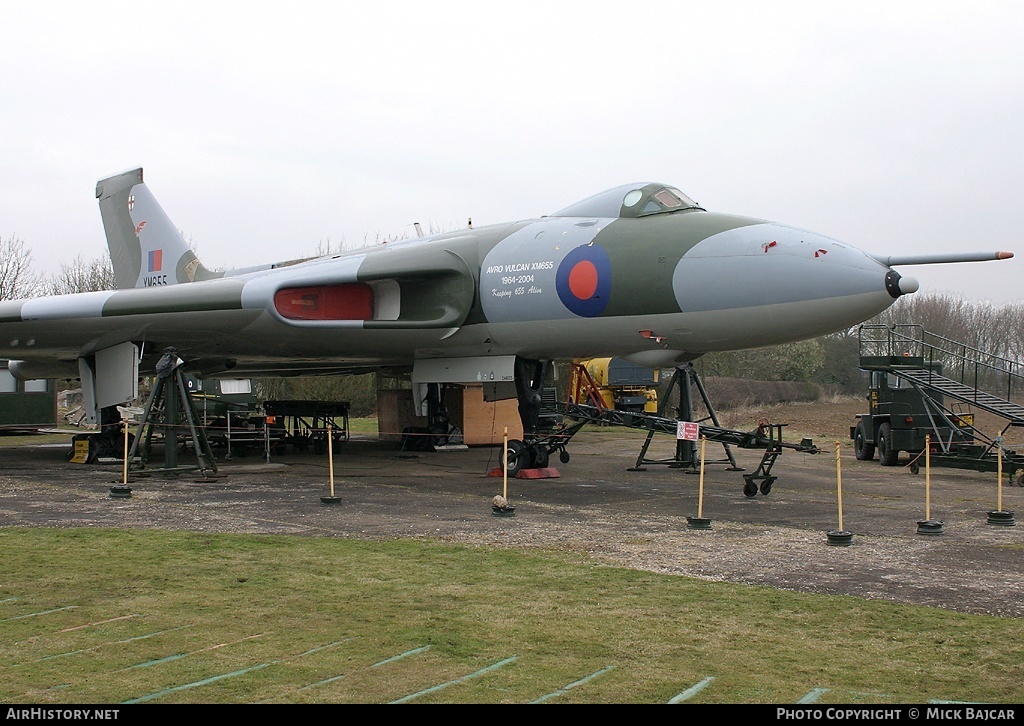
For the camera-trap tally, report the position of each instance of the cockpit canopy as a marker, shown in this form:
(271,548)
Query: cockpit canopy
(631,200)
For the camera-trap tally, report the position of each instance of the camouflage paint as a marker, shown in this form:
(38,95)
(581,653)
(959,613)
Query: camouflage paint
(657,287)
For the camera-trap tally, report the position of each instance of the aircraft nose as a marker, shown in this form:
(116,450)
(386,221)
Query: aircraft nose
(897,284)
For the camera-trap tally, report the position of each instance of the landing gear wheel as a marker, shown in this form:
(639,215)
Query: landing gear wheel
(861,448)
(539,457)
(887,455)
(750,489)
(915,467)
(516,457)
(1019,479)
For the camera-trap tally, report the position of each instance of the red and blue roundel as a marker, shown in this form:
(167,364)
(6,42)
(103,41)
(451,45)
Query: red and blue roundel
(584,280)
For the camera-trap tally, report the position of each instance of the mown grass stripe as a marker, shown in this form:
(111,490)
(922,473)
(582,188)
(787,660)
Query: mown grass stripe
(332,679)
(309,652)
(101,645)
(392,659)
(176,656)
(321,647)
(158,661)
(41,612)
(813,695)
(463,679)
(572,685)
(154,634)
(692,690)
(100,622)
(196,684)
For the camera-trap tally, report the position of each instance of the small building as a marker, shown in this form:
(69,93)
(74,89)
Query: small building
(26,405)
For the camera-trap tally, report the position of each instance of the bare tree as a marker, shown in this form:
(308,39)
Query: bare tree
(81,276)
(977,325)
(16,277)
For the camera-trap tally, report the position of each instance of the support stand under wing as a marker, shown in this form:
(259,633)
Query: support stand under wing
(686,451)
(171,410)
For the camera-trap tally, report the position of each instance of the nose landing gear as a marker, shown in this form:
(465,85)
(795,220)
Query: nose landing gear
(534,451)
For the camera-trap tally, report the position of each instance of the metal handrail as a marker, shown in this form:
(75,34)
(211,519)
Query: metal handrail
(974,363)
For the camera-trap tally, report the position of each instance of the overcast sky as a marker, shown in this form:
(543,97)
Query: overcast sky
(269,129)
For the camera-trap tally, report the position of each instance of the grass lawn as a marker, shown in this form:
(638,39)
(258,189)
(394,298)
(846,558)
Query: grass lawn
(112,616)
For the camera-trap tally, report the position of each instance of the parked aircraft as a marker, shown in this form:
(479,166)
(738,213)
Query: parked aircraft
(640,272)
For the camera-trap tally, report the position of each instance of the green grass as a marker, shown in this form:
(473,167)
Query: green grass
(362,425)
(33,439)
(111,616)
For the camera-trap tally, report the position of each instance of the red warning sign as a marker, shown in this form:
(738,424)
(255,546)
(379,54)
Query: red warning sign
(687,431)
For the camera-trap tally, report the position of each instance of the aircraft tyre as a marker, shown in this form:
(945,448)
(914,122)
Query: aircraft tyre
(516,457)
(861,448)
(887,456)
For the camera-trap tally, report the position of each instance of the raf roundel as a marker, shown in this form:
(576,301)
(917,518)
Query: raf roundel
(584,280)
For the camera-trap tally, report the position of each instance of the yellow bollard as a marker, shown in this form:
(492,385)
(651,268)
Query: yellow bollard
(999,469)
(124,468)
(927,477)
(330,458)
(700,488)
(700,521)
(499,504)
(928,525)
(330,468)
(1000,517)
(122,490)
(839,537)
(839,485)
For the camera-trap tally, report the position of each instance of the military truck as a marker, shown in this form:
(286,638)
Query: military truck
(900,416)
(26,406)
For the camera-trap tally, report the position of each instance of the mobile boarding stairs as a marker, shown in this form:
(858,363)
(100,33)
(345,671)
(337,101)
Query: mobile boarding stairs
(947,383)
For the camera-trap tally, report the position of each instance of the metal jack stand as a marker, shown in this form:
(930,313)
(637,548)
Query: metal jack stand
(763,473)
(685,457)
(169,404)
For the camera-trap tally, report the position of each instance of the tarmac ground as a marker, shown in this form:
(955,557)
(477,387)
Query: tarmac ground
(828,525)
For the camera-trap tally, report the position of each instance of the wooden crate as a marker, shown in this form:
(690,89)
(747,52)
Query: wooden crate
(482,422)
(395,412)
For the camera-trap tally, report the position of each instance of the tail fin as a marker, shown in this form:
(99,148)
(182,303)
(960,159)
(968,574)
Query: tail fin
(145,247)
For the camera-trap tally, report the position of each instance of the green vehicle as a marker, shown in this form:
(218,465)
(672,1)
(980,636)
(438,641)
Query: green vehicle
(900,416)
(913,375)
(26,405)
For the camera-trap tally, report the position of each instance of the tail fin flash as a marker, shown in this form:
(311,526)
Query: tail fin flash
(145,247)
